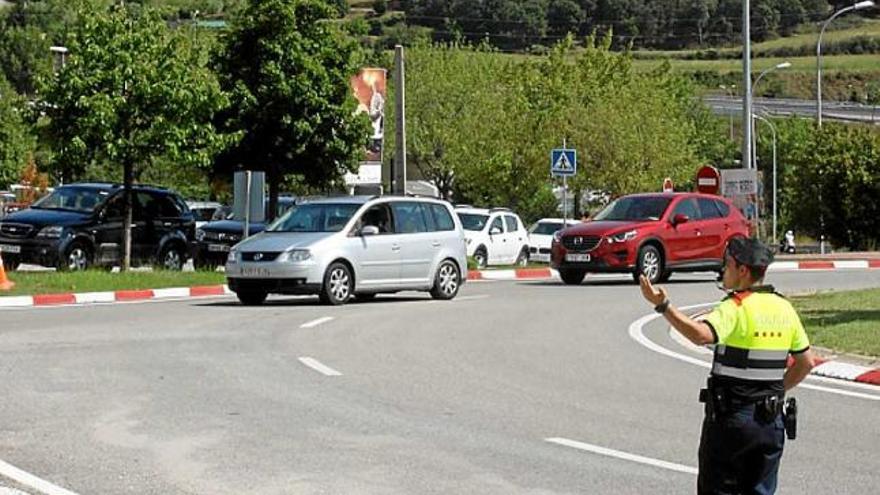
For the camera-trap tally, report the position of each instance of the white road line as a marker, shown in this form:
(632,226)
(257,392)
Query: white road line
(31,481)
(319,367)
(635,332)
(314,323)
(623,455)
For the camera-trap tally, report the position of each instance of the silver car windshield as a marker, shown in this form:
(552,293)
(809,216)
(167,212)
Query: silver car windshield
(318,217)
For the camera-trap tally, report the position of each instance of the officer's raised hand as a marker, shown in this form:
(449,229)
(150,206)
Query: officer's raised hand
(653,295)
(697,332)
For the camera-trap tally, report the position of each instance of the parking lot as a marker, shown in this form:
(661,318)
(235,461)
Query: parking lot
(513,387)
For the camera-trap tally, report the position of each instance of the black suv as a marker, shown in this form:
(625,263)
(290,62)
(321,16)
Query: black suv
(215,239)
(81,225)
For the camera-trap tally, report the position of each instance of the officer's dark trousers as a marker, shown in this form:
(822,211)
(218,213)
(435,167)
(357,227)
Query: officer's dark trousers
(740,454)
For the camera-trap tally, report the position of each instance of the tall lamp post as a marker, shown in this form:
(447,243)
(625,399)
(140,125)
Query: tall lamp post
(773,130)
(856,6)
(782,65)
(747,85)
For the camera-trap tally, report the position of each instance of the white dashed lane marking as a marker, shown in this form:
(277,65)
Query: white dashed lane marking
(316,322)
(319,367)
(618,454)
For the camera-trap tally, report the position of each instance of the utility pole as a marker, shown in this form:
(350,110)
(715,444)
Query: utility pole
(398,178)
(747,86)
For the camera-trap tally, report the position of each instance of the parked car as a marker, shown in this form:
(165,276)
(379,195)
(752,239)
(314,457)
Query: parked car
(214,239)
(650,234)
(204,211)
(353,246)
(495,236)
(541,237)
(78,226)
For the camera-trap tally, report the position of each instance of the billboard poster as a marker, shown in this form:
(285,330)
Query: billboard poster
(369,87)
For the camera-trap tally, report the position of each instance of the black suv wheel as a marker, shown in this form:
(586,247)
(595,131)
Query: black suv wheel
(77,257)
(172,258)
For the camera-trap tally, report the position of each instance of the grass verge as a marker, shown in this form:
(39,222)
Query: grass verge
(28,283)
(847,321)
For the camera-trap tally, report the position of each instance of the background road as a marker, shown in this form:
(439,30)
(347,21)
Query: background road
(784,107)
(211,397)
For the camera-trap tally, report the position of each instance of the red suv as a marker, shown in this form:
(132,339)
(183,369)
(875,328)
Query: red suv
(654,234)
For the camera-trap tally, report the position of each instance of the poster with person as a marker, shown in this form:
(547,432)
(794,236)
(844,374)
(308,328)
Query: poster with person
(369,87)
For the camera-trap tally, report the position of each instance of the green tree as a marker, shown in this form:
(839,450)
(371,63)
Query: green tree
(132,92)
(16,139)
(288,70)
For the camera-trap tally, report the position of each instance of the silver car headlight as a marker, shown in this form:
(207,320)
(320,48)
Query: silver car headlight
(53,232)
(200,235)
(232,257)
(623,236)
(295,255)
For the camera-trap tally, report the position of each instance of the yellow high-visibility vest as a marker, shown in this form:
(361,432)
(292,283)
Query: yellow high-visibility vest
(755,331)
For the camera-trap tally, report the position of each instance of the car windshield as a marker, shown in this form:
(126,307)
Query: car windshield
(473,221)
(545,228)
(73,199)
(635,208)
(318,217)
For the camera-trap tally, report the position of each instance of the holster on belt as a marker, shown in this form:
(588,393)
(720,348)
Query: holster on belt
(716,400)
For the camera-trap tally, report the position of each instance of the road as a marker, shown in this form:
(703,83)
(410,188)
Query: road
(784,107)
(402,395)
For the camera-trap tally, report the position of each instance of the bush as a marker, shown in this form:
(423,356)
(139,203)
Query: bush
(380,7)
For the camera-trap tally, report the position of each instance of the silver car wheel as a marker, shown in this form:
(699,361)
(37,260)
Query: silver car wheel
(651,265)
(448,279)
(339,284)
(77,259)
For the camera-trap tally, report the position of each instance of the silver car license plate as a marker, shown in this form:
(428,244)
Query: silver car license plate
(249,271)
(577,257)
(8,248)
(218,248)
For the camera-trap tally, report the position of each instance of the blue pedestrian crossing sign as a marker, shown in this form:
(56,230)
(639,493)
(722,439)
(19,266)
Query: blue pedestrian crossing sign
(563,162)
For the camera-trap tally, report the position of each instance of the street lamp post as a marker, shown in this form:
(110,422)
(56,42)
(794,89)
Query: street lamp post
(782,65)
(773,130)
(747,85)
(856,6)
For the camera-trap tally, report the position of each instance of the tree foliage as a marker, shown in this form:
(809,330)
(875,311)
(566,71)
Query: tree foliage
(829,180)
(16,140)
(481,125)
(287,68)
(132,92)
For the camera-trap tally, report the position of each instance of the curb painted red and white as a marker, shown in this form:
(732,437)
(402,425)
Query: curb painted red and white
(779,266)
(113,296)
(848,371)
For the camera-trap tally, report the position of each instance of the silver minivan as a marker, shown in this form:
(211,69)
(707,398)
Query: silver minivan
(353,246)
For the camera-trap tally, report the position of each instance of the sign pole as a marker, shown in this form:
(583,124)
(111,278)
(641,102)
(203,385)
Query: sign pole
(247,205)
(564,191)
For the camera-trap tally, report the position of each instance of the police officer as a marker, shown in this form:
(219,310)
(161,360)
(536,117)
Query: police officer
(754,330)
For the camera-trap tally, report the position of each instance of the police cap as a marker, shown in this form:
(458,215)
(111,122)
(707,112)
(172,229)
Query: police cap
(750,252)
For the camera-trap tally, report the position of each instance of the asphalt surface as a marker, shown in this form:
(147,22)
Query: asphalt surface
(209,397)
(786,107)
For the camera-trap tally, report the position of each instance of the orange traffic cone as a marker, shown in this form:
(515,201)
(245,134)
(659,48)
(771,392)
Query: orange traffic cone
(5,283)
